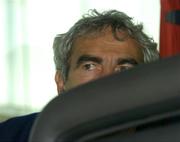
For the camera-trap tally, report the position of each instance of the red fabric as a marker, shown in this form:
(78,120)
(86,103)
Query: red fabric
(169,32)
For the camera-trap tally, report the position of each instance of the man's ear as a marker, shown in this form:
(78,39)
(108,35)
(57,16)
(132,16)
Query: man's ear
(59,82)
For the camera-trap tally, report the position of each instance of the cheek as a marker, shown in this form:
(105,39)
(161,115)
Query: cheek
(76,79)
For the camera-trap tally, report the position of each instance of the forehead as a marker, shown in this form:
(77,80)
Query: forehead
(105,43)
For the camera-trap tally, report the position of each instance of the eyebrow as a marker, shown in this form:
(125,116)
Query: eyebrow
(88,58)
(127,61)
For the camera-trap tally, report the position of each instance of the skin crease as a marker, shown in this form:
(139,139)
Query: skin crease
(104,47)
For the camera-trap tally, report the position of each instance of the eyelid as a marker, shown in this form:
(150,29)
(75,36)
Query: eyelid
(127,61)
(127,64)
(88,58)
(122,67)
(88,62)
(89,66)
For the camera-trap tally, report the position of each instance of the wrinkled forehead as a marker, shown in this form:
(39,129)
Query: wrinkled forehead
(106,40)
(118,33)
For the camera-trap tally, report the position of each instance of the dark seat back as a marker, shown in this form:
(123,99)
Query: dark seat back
(146,98)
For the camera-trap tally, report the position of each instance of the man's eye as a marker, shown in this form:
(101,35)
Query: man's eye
(89,66)
(123,68)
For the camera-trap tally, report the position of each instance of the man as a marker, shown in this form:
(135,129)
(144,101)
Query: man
(97,45)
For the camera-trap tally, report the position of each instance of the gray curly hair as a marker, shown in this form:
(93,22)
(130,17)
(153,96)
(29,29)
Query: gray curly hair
(95,22)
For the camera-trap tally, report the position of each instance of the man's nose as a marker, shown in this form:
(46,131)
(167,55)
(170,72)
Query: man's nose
(107,71)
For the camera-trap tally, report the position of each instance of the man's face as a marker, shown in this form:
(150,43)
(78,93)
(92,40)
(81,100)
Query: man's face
(96,57)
